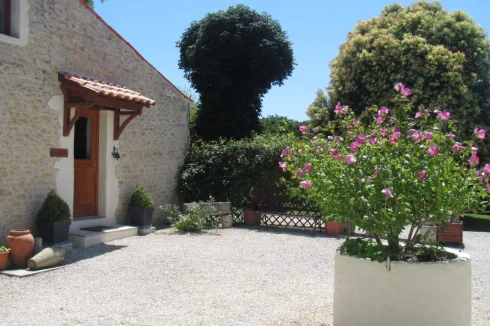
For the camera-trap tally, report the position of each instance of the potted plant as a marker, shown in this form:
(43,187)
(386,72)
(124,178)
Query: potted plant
(251,215)
(387,171)
(4,258)
(332,227)
(141,208)
(53,219)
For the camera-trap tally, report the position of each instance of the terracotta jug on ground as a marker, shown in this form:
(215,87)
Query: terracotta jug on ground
(21,243)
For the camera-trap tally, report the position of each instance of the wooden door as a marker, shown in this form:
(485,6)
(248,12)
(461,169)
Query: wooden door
(86,152)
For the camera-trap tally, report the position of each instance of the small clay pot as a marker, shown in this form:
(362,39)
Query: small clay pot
(4,260)
(333,228)
(251,218)
(21,243)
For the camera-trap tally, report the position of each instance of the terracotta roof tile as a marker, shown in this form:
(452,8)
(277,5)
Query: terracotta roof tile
(106,88)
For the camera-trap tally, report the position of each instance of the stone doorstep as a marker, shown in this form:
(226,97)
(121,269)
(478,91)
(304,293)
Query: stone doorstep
(144,230)
(83,238)
(27,272)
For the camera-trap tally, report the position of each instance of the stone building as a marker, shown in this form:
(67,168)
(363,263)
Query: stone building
(72,93)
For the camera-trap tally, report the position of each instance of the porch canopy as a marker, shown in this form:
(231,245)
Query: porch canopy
(83,92)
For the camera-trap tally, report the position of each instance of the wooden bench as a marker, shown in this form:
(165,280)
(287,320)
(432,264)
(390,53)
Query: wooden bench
(292,212)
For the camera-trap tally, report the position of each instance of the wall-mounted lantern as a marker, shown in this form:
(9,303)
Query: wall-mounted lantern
(115,153)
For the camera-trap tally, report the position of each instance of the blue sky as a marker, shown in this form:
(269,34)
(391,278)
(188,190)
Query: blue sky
(316,28)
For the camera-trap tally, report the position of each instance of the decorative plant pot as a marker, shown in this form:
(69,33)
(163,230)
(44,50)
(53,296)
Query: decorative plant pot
(226,221)
(433,293)
(333,228)
(140,216)
(4,260)
(251,218)
(21,243)
(53,232)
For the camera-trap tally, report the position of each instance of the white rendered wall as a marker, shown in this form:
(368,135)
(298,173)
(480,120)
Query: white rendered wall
(436,293)
(108,182)
(65,177)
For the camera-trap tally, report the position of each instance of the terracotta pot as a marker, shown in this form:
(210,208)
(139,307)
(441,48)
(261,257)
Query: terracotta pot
(22,244)
(251,218)
(4,260)
(333,227)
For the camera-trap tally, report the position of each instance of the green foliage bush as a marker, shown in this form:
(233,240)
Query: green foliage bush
(54,208)
(196,219)
(444,57)
(4,249)
(279,125)
(168,212)
(232,58)
(141,198)
(228,170)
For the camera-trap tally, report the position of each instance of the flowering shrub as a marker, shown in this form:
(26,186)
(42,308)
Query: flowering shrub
(197,217)
(388,169)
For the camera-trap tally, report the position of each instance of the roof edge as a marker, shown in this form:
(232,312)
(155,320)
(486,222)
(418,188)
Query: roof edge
(132,48)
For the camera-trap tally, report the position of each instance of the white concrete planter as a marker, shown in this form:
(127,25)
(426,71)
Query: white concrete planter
(435,293)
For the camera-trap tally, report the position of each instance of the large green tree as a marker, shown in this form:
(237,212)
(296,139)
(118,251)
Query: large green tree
(443,57)
(232,58)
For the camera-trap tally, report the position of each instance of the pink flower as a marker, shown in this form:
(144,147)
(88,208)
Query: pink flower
(361,139)
(428,135)
(406,91)
(378,119)
(349,127)
(362,180)
(286,152)
(355,122)
(315,138)
(486,169)
(418,114)
(399,86)
(488,187)
(392,140)
(383,111)
(303,128)
(474,150)
(161,207)
(451,135)
(338,107)
(305,184)
(373,140)
(457,147)
(299,174)
(443,115)
(283,166)
(354,146)
(473,159)
(433,151)
(481,134)
(335,155)
(330,138)
(422,175)
(343,111)
(376,170)
(383,132)
(350,159)
(220,226)
(370,178)
(316,129)
(397,133)
(308,167)
(300,152)
(387,192)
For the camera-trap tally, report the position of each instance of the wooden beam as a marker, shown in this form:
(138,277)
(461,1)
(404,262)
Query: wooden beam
(69,123)
(118,129)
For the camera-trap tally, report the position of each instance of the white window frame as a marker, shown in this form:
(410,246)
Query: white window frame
(19,24)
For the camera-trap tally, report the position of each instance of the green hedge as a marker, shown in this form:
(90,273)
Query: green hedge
(229,170)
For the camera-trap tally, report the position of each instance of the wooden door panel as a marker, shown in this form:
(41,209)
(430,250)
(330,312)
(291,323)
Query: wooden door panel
(85,166)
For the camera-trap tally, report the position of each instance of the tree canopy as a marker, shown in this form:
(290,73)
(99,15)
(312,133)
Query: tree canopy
(443,57)
(232,58)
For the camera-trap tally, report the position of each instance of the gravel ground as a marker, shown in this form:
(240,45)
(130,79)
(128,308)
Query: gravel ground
(224,277)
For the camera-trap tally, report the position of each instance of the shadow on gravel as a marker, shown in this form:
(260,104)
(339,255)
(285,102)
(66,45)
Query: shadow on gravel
(300,232)
(76,255)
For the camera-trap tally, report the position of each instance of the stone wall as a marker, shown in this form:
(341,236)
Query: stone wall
(65,34)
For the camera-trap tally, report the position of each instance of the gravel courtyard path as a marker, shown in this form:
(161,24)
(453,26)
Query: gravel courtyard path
(224,277)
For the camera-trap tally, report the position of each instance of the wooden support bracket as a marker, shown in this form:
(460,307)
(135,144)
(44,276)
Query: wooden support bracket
(69,122)
(118,127)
